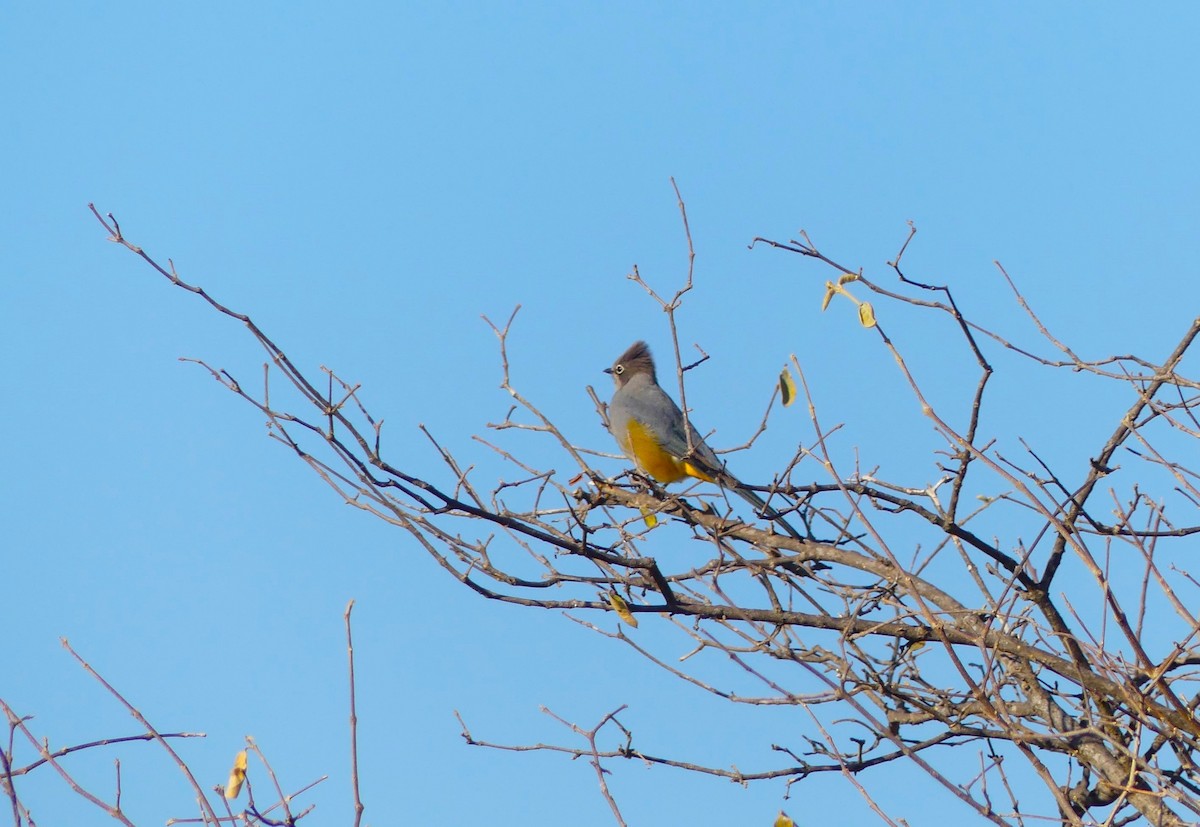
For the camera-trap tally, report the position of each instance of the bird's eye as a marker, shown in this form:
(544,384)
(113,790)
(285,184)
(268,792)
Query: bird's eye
(619,369)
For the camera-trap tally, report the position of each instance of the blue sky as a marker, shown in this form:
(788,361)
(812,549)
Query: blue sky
(365,181)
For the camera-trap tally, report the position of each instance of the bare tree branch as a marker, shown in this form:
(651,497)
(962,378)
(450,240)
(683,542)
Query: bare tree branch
(915,616)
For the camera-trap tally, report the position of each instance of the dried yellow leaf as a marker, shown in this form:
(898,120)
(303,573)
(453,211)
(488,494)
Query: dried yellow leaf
(787,387)
(622,609)
(866,314)
(237,776)
(784,820)
(847,277)
(830,289)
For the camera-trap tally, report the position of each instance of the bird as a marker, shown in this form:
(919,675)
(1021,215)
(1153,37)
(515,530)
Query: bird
(649,428)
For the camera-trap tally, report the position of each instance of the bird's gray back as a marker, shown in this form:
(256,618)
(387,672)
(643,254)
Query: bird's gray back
(642,399)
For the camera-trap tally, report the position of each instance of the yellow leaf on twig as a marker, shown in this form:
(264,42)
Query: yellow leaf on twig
(237,776)
(787,387)
(866,313)
(622,609)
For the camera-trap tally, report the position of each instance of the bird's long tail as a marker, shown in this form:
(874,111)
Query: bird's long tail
(761,508)
(722,477)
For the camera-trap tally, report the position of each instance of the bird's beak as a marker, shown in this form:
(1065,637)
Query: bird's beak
(608,371)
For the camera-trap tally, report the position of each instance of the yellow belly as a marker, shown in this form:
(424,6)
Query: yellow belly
(650,457)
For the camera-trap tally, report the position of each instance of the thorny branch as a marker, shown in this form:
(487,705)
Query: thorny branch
(936,625)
